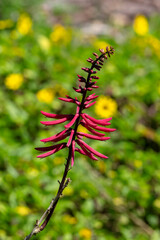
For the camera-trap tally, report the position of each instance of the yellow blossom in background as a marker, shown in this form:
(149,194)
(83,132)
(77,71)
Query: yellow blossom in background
(69,219)
(22,210)
(154,44)
(44,42)
(118,201)
(61,91)
(156,203)
(101,166)
(85,233)
(58,160)
(60,35)
(17,51)
(105,107)
(100,44)
(14,81)
(137,163)
(45,95)
(84,194)
(32,172)
(24,24)
(140,25)
(111,174)
(3,234)
(68,191)
(82,129)
(8,23)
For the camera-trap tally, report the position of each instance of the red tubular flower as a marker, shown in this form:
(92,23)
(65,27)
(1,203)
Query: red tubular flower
(79,118)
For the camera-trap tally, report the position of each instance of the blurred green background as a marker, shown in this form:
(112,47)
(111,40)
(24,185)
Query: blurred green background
(41,51)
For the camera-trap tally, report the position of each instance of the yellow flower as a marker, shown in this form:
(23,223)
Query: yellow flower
(84,193)
(24,24)
(118,201)
(105,107)
(59,89)
(137,163)
(82,129)
(16,51)
(111,174)
(85,233)
(22,210)
(69,219)
(156,203)
(68,191)
(60,35)
(140,25)
(58,160)
(8,23)
(45,95)
(154,44)
(32,172)
(100,44)
(44,42)
(101,166)
(14,81)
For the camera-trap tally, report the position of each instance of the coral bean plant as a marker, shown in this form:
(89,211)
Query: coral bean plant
(75,142)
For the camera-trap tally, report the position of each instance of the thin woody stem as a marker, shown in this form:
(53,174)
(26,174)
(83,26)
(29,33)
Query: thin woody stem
(41,224)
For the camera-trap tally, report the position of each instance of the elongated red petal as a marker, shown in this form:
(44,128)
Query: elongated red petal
(57,116)
(66,99)
(73,150)
(52,138)
(105,129)
(93,137)
(87,102)
(89,105)
(91,98)
(57,148)
(89,89)
(86,153)
(72,121)
(83,123)
(70,138)
(91,149)
(88,121)
(103,122)
(46,149)
(57,139)
(47,123)
(95,86)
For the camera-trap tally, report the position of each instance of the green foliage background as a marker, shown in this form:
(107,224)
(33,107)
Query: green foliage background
(115,199)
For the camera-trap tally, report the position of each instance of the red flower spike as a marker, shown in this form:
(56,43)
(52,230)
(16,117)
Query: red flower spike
(90,123)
